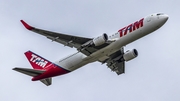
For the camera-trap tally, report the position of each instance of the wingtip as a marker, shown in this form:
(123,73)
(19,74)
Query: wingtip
(26,25)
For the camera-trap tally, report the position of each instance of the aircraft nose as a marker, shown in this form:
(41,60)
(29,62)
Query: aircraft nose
(161,19)
(165,17)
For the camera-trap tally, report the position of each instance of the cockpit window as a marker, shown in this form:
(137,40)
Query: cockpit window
(160,14)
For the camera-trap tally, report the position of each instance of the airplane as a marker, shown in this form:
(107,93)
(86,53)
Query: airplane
(104,49)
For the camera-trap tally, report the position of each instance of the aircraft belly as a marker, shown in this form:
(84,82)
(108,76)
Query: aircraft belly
(73,62)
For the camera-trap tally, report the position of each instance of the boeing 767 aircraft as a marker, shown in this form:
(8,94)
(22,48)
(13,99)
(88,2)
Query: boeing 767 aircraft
(104,48)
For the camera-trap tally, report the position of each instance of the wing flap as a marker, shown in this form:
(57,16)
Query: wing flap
(118,67)
(70,44)
(115,62)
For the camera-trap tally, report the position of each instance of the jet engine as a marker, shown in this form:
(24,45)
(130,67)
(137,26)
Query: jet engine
(130,54)
(100,40)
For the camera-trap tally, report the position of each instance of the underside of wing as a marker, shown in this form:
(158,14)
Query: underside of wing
(67,40)
(115,62)
(118,67)
(92,49)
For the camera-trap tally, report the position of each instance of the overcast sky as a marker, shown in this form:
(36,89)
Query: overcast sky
(152,76)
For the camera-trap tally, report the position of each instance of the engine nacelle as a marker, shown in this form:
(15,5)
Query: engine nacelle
(100,40)
(130,54)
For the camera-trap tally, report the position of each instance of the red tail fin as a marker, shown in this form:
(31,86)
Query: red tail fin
(36,61)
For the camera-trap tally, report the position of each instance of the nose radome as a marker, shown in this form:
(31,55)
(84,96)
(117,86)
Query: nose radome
(162,18)
(165,17)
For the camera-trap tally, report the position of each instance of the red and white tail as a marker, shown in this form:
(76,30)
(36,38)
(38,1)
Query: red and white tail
(36,61)
(43,69)
(40,66)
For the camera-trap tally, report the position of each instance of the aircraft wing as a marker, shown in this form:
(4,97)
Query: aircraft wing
(115,62)
(67,40)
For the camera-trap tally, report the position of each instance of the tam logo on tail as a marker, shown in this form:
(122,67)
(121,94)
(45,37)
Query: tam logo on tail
(39,61)
(36,61)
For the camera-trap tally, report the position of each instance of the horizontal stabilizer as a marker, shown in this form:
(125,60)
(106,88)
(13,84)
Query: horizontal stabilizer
(34,72)
(47,81)
(30,72)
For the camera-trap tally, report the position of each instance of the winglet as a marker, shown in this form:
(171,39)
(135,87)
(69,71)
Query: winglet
(26,25)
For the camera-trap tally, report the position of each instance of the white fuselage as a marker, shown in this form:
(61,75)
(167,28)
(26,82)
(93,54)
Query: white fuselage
(123,37)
